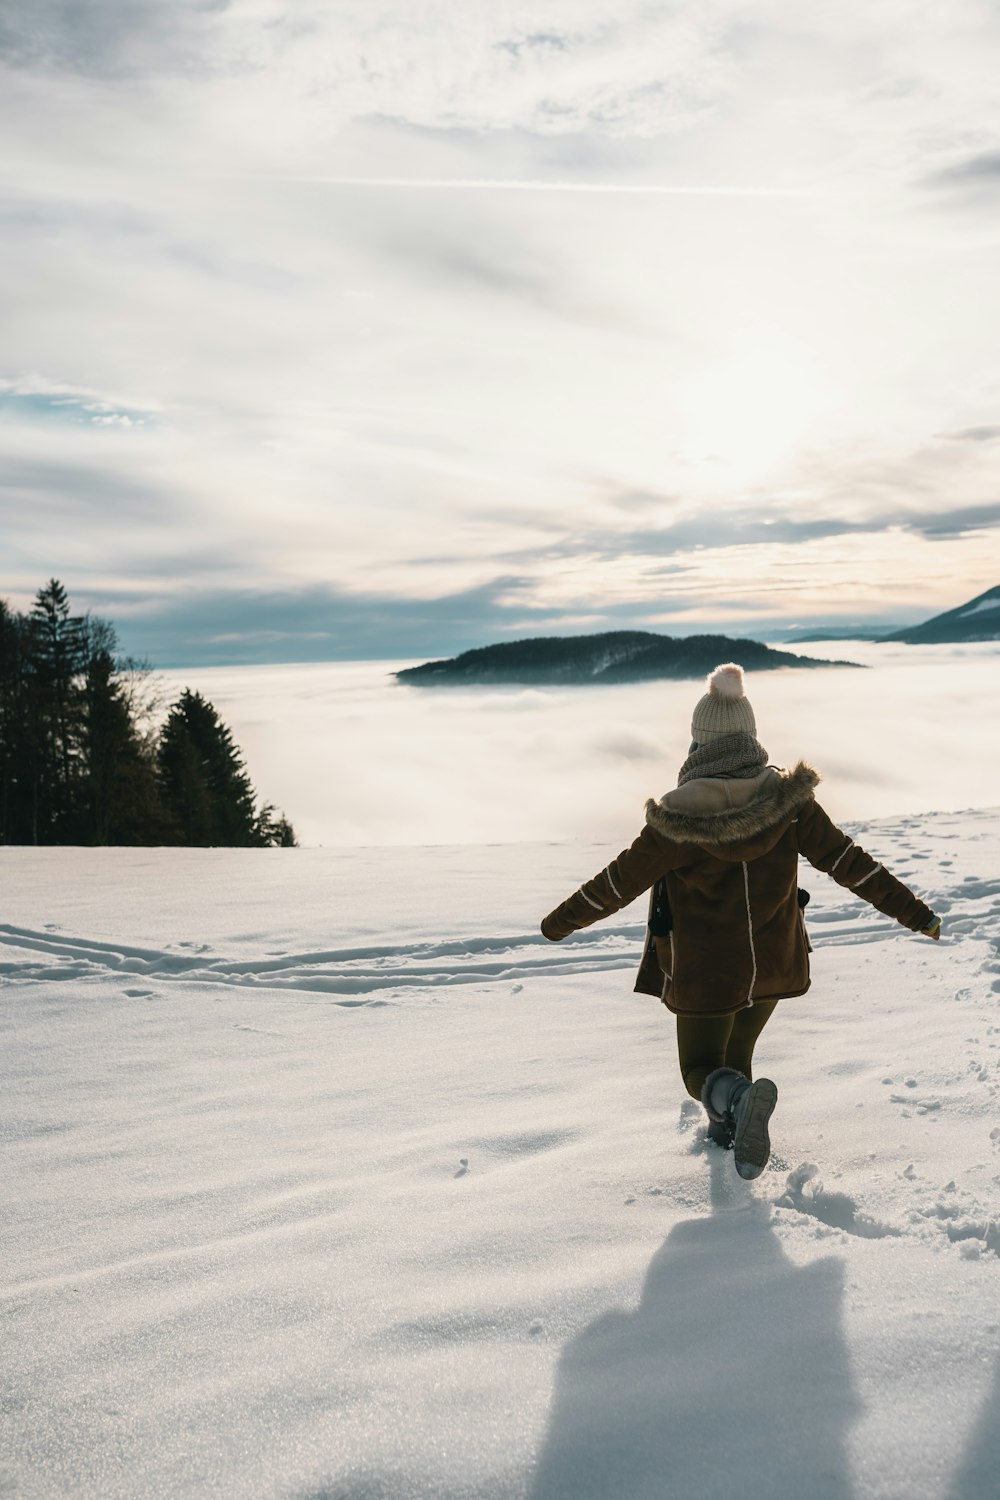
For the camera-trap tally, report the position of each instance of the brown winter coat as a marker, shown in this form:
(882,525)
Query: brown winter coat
(730,851)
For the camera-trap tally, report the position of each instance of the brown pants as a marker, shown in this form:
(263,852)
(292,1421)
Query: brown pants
(705,1043)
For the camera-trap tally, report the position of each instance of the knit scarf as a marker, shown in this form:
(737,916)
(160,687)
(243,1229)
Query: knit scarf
(739,756)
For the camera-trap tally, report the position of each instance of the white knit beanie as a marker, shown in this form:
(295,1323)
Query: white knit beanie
(725,709)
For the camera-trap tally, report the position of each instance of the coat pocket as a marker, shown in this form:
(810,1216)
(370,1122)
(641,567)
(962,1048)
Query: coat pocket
(805,931)
(661,919)
(803,898)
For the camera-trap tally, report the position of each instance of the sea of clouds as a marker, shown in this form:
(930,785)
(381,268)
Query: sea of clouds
(353,757)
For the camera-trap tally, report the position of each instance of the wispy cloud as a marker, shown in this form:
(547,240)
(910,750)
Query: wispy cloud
(107,38)
(987,433)
(346,325)
(35,397)
(964,520)
(534,42)
(320,623)
(979,170)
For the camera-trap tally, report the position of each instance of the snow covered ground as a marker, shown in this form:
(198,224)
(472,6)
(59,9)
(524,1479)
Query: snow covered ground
(326,1178)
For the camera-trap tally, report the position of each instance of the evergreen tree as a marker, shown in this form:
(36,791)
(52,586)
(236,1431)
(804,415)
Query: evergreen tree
(274,830)
(14,770)
(203,782)
(81,759)
(122,799)
(55,661)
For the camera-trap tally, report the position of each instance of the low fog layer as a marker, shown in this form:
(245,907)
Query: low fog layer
(355,758)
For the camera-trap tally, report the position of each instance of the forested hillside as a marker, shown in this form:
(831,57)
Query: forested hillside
(609,657)
(87,757)
(978,620)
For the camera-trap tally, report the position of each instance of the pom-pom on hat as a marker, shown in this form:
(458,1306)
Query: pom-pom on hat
(725,708)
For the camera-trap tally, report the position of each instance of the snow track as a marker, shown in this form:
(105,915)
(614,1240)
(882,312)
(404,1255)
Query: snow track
(335,971)
(969,905)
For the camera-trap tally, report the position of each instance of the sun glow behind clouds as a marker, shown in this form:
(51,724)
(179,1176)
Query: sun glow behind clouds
(751,412)
(414,302)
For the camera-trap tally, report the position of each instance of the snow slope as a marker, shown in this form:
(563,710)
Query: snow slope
(327,1178)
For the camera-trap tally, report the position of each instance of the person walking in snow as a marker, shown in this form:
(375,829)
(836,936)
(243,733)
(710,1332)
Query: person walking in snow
(726,938)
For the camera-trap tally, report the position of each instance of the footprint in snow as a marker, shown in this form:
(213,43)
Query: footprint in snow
(927,1105)
(804,1192)
(523,1143)
(963,1223)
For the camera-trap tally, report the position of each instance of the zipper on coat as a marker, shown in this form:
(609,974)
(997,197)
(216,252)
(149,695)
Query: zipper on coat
(753,951)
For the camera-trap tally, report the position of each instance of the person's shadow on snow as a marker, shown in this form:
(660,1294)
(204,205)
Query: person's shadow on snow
(978,1468)
(730,1381)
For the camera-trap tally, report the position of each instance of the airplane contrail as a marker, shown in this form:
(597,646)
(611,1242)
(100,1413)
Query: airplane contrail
(532,185)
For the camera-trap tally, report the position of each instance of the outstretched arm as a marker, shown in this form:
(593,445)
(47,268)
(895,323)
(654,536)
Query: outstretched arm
(618,884)
(834,852)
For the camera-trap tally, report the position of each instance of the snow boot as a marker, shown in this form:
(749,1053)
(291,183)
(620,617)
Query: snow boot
(732,1100)
(720,1132)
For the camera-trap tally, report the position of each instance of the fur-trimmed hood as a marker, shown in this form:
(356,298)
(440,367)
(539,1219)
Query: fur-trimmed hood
(692,815)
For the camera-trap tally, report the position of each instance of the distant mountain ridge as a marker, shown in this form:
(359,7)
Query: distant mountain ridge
(612,656)
(979,620)
(835,633)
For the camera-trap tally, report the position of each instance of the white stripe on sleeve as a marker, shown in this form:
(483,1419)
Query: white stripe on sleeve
(848,845)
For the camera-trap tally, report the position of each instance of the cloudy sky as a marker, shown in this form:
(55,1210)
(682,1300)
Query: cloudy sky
(385,329)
